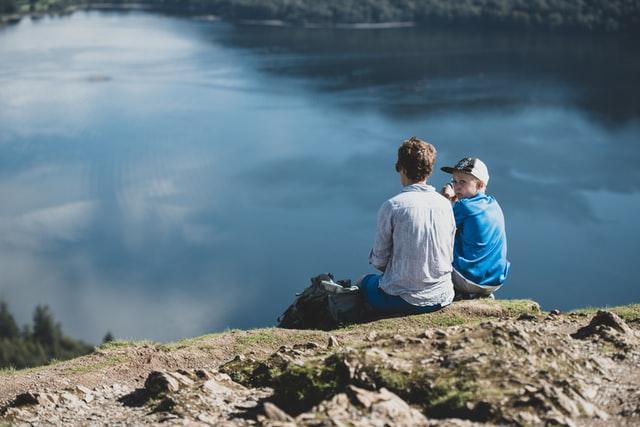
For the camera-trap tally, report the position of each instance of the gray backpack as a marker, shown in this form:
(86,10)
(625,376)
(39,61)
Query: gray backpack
(325,304)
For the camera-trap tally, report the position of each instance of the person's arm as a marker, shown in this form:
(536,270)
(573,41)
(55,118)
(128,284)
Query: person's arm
(447,191)
(383,245)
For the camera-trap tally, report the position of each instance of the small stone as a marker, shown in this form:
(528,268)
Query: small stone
(214,387)
(206,418)
(167,404)
(333,342)
(182,379)
(559,420)
(567,404)
(364,397)
(84,389)
(307,346)
(160,382)
(246,404)
(399,339)
(530,419)
(274,413)
(372,336)
(555,312)
(189,374)
(600,322)
(71,401)
(203,374)
(24,399)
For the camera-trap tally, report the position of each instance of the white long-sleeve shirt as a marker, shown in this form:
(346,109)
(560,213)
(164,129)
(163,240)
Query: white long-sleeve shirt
(414,246)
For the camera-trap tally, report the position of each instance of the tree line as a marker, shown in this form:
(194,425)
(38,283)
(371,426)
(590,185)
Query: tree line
(9,7)
(36,344)
(580,15)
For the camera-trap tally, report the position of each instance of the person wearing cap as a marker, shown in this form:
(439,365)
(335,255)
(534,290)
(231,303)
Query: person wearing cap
(413,247)
(480,264)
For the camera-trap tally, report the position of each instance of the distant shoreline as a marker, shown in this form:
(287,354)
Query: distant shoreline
(349,26)
(556,16)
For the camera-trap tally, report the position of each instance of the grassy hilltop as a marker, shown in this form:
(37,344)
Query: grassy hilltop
(483,361)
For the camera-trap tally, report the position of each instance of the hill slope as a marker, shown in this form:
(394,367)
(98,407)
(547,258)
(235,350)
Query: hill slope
(480,361)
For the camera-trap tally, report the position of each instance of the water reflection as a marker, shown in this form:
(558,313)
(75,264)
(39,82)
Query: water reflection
(416,71)
(214,170)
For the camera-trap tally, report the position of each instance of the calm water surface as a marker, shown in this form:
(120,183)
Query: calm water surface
(164,177)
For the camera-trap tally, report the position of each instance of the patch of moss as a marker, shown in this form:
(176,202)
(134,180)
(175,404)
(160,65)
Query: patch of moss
(253,373)
(517,307)
(300,387)
(442,397)
(240,370)
(448,398)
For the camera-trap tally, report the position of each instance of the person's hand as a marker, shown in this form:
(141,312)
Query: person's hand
(447,191)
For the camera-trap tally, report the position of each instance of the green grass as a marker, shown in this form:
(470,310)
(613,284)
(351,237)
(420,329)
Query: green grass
(118,344)
(516,307)
(267,340)
(450,317)
(258,338)
(10,371)
(193,342)
(109,361)
(629,313)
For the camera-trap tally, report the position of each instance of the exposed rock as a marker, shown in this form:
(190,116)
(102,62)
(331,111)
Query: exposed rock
(307,346)
(527,317)
(515,372)
(158,383)
(600,320)
(274,413)
(333,342)
(609,327)
(359,407)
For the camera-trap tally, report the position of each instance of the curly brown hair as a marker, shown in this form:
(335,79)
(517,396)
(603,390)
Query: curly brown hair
(417,158)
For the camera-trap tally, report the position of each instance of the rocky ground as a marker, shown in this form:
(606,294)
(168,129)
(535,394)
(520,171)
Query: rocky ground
(476,363)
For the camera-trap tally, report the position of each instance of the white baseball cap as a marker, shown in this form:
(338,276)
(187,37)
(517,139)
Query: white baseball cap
(472,166)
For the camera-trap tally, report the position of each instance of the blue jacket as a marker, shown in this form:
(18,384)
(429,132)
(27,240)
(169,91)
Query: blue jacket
(480,249)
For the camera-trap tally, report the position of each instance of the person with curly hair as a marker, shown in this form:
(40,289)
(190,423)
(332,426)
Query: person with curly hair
(413,246)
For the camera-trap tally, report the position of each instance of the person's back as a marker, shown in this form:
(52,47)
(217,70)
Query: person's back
(419,264)
(480,251)
(414,241)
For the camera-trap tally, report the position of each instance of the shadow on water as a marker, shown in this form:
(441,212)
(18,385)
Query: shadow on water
(414,71)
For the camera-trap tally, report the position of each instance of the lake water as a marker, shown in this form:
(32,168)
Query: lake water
(163,177)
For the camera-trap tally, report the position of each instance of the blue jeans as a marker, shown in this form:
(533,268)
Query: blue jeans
(382,302)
